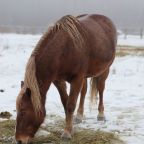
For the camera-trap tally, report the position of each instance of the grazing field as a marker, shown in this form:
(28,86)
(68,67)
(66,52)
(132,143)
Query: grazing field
(123,97)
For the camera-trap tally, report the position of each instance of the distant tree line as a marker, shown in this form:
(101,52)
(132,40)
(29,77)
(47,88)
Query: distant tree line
(132,31)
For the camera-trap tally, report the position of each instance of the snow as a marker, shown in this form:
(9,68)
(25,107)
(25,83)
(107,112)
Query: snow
(131,40)
(123,96)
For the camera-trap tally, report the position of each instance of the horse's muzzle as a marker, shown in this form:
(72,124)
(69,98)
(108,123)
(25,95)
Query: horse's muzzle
(19,142)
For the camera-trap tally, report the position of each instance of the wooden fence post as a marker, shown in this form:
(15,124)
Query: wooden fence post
(125,33)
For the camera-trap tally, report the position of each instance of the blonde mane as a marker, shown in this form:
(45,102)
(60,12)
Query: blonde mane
(70,24)
(30,81)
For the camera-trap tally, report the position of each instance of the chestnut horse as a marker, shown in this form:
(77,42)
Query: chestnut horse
(72,50)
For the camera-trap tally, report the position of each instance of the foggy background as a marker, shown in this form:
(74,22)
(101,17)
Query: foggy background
(34,16)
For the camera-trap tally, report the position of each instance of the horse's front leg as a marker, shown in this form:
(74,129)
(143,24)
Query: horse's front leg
(80,111)
(61,86)
(75,88)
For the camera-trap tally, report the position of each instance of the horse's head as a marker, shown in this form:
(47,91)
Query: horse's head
(27,120)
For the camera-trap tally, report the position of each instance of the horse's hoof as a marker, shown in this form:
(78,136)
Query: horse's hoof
(66,135)
(78,119)
(101,117)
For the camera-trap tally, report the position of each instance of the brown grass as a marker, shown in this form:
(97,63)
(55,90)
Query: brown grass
(7,128)
(129,50)
(81,137)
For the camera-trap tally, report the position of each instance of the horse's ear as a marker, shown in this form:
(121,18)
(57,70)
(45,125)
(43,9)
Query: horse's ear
(28,92)
(22,84)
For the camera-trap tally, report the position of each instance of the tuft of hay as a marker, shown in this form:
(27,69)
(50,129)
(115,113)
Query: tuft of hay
(5,114)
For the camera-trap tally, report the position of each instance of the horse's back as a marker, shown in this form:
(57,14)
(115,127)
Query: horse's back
(97,18)
(99,26)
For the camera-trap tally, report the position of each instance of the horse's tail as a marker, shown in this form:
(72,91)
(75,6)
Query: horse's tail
(93,90)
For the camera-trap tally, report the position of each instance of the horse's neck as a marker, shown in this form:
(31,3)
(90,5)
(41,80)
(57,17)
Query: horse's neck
(44,87)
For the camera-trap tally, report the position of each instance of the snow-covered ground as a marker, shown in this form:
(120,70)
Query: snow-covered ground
(124,93)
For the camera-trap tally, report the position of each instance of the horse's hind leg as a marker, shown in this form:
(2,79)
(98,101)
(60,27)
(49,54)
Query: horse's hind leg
(101,86)
(61,86)
(80,111)
(75,88)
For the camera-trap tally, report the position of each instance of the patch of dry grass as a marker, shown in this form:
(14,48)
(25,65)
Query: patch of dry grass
(7,128)
(82,137)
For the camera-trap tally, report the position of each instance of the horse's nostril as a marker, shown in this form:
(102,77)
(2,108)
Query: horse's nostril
(19,142)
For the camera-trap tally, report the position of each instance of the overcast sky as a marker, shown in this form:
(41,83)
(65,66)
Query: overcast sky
(124,13)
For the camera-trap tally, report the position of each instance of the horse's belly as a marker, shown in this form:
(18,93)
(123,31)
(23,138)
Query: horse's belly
(97,68)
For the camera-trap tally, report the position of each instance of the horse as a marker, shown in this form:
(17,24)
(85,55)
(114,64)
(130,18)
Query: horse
(72,50)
